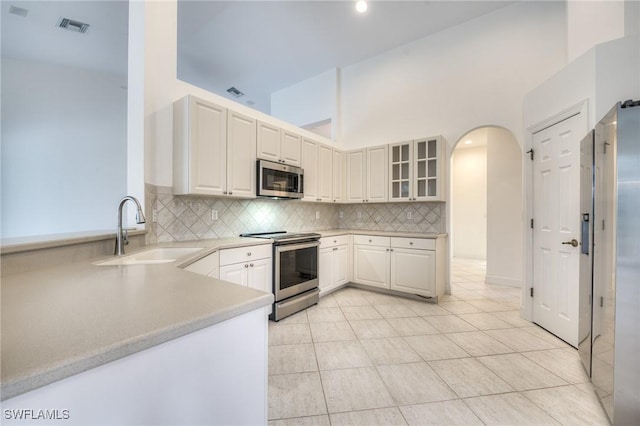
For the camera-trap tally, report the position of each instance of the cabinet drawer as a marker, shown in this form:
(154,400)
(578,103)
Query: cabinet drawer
(338,240)
(206,265)
(242,254)
(370,240)
(415,243)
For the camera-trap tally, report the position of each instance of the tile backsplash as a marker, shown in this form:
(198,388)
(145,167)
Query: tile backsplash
(181,218)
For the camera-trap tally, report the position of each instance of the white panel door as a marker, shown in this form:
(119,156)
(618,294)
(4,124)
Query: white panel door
(310,167)
(340,265)
(556,206)
(377,182)
(268,142)
(356,176)
(207,157)
(236,273)
(241,156)
(259,275)
(413,271)
(291,149)
(338,176)
(325,172)
(325,269)
(371,266)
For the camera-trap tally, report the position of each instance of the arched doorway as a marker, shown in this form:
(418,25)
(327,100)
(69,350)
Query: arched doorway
(485,212)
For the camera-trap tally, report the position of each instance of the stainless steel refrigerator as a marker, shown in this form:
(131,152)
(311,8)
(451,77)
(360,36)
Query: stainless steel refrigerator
(610,261)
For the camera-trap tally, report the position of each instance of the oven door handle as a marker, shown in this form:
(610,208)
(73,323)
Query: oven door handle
(296,246)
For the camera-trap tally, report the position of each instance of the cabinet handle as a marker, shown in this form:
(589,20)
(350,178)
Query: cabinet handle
(251,264)
(249,254)
(335,248)
(224,193)
(335,241)
(410,243)
(246,266)
(390,249)
(386,249)
(370,241)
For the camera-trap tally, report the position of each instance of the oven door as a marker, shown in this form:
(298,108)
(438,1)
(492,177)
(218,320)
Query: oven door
(295,269)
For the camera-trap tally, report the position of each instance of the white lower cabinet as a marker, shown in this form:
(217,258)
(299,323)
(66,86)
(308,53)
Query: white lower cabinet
(333,262)
(402,264)
(248,266)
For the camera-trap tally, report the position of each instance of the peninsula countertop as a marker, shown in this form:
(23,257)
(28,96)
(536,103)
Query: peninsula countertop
(61,321)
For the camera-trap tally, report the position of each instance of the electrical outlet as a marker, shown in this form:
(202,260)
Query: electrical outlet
(341,215)
(154,215)
(359,215)
(317,215)
(409,215)
(214,214)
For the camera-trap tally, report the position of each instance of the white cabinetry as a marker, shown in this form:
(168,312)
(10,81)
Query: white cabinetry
(339,166)
(213,150)
(278,145)
(371,260)
(248,266)
(416,170)
(208,265)
(333,256)
(317,163)
(367,175)
(408,265)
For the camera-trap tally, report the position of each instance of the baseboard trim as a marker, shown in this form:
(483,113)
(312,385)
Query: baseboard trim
(497,280)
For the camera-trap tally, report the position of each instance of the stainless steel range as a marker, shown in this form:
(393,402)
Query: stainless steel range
(295,271)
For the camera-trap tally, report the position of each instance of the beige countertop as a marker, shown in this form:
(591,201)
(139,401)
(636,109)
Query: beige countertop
(57,322)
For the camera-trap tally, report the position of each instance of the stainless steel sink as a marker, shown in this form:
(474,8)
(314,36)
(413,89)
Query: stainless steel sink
(150,257)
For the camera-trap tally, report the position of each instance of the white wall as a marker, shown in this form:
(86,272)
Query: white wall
(63,148)
(309,101)
(593,22)
(462,78)
(469,202)
(504,209)
(161,88)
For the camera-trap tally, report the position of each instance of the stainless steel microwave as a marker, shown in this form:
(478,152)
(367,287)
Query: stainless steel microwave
(279,180)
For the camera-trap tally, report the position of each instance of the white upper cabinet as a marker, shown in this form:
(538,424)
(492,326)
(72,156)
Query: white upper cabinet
(211,145)
(277,145)
(416,170)
(317,163)
(367,175)
(339,168)
(241,155)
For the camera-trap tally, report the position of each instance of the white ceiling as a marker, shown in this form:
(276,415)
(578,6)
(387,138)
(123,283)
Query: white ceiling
(257,46)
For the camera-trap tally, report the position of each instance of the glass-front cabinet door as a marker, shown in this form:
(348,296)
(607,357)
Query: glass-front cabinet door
(400,160)
(416,170)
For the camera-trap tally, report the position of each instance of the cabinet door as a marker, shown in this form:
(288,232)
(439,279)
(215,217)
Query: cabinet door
(428,169)
(338,176)
(340,265)
(310,168)
(325,269)
(400,171)
(291,152)
(413,271)
(268,142)
(207,141)
(241,156)
(260,275)
(325,172)
(377,182)
(371,266)
(356,176)
(236,273)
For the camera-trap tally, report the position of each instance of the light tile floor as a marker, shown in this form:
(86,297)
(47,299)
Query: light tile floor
(365,358)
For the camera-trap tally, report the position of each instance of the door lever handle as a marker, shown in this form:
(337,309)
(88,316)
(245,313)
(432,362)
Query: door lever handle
(572,243)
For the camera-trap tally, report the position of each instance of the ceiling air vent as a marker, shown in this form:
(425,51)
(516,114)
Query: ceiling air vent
(235,92)
(71,25)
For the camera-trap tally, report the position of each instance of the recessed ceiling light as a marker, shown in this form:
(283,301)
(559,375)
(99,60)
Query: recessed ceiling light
(361,6)
(468,142)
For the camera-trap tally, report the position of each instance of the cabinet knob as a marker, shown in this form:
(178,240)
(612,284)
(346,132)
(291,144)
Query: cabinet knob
(410,243)
(249,254)
(370,241)
(246,266)
(230,193)
(335,241)
(335,248)
(390,249)
(225,193)
(251,264)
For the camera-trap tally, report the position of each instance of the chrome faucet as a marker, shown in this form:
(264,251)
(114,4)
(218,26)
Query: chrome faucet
(121,236)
